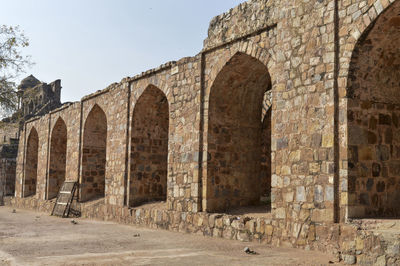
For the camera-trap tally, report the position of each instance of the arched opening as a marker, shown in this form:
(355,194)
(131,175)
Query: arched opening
(30,110)
(31,163)
(149,148)
(373,118)
(238,168)
(94,155)
(58,158)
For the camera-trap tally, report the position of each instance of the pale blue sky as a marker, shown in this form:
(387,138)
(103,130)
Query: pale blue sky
(89,44)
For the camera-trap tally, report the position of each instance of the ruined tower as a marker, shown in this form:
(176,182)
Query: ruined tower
(38,98)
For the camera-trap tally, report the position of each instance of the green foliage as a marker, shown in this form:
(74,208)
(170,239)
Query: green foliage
(12,63)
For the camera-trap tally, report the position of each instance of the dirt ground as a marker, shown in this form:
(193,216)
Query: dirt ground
(31,238)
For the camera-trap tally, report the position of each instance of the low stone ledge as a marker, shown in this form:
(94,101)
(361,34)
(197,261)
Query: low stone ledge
(349,242)
(236,227)
(30,203)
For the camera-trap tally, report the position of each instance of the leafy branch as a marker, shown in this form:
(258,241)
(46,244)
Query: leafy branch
(12,64)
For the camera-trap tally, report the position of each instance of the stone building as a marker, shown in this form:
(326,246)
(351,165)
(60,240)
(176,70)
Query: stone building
(283,129)
(38,98)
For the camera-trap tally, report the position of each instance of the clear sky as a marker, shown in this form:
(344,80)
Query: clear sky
(89,44)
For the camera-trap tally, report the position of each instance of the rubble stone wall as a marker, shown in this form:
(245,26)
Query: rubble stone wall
(180,82)
(94,150)
(58,158)
(304,55)
(367,90)
(7,131)
(373,114)
(374,168)
(30,181)
(7,174)
(234,142)
(149,148)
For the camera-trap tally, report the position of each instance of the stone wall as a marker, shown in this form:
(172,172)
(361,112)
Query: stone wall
(242,20)
(374,165)
(279,99)
(31,165)
(70,115)
(149,148)
(8,154)
(180,82)
(368,90)
(7,176)
(234,141)
(94,152)
(58,158)
(373,114)
(8,131)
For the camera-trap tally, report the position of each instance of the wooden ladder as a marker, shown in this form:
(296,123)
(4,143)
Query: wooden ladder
(64,199)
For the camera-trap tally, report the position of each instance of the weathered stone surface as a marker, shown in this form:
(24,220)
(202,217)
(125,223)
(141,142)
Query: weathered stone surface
(149,148)
(349,259)
(38,98)
(293,108)
(373,107)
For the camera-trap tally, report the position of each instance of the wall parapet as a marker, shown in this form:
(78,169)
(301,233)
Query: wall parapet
(152,71)
(244,19)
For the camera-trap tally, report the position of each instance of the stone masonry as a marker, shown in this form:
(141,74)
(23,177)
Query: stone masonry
(8,158)
(38,98)
(35,98)
(149,148)
(291,109)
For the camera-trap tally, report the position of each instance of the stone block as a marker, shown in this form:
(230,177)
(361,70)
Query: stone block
(349,259)
(238,224)
(288,196)
(365,153)
(250,226)
(380,261)
(359,244)
(327,140)
(228,233)
(212,219)
(219,223)
(300,194)
(243,236)
(318,193)
(322,215)
(279,213)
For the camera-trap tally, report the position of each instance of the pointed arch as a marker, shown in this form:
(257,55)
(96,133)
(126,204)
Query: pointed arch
(31,107)
(31,163)
(373,104)
(234,136)
(58,158)
(94,155)
(149,148)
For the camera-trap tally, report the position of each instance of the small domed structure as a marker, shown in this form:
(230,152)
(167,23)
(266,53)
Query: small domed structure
(38,98)
(28,82)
